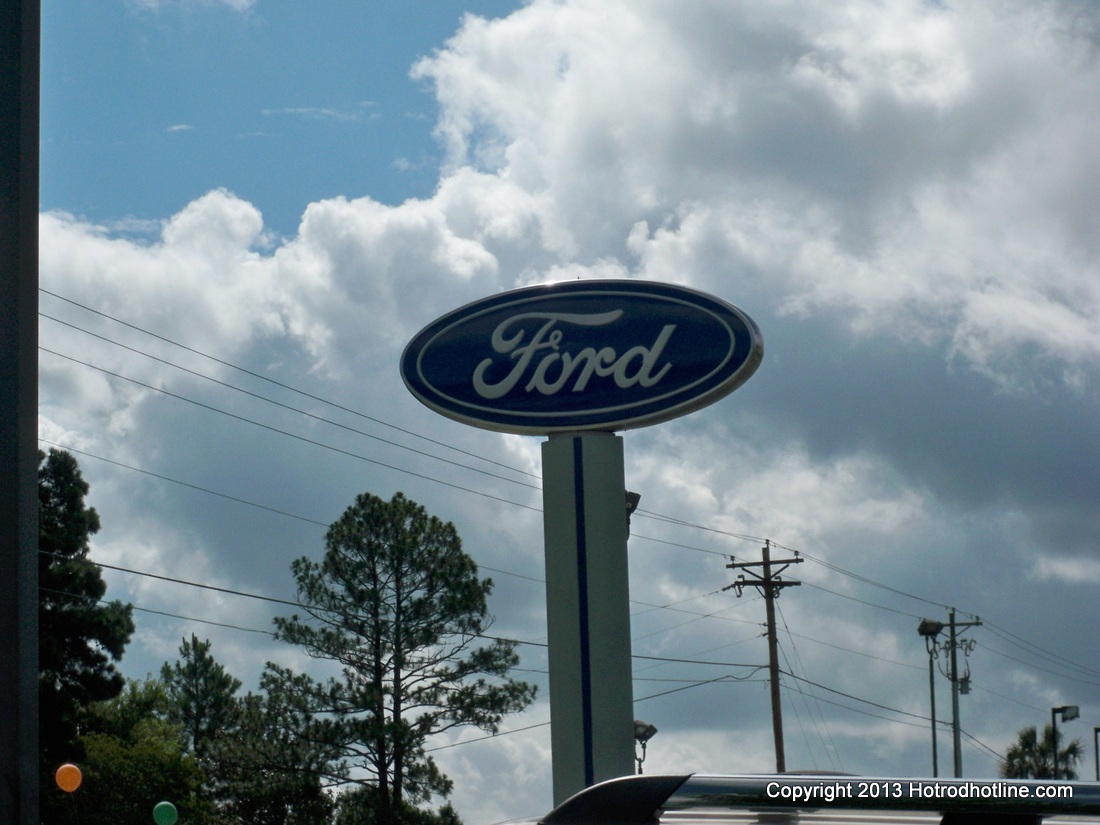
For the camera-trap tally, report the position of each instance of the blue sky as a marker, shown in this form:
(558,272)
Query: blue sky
(145,109)
(276,197)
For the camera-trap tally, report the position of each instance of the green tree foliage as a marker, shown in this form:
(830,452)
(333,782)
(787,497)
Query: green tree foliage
(1032,757)
(201,695)
(399,608)
(134,758)
(80,636)
(272,770)
(360,807)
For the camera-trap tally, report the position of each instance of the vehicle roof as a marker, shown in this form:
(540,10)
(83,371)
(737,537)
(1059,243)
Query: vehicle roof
(827,798)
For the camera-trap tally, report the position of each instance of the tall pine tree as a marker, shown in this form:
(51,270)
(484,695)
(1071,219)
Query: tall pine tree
(80,635)
(201,695)
(399,607)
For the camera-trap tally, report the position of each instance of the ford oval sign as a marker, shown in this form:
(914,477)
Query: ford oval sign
(582,355)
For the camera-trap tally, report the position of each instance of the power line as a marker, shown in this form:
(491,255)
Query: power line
(994,650)
(274,382)
(830,748)
(726,678)
(797,689)
(273,429)
(793,635)
(856,698)
(274,600)
(650,607)
(484,738)
(173,580)
(861,601)
(682,523)
(290,408)
(497,570)
(196,487)
(982,745)
(1036,650)
(861,578)
(164,613)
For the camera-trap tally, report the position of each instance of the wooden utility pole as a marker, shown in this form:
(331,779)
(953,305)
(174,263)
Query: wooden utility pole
(954,644)
(769,583)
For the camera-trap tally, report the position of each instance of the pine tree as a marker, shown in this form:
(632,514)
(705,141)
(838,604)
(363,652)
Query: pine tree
(201,695)
(80,635)
(399,606)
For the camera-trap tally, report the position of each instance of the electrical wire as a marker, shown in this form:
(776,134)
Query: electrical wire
(196,487)
(830,747)
(725,678)
(855,698)
(291,408)
(794,635)
(993,650)
(648,605)
(159,612)
(273,429)
(275,600)
(860,601)
(280,384)
(1035,650)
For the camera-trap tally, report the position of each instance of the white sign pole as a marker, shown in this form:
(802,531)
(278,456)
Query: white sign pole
(588,610)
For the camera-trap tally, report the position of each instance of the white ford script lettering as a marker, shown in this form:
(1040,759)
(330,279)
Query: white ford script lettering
(555,368)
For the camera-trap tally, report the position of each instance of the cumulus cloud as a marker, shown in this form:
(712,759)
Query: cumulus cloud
(896,165)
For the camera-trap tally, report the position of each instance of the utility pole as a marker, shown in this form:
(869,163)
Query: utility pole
(930,630)
(769,584)
(954,645)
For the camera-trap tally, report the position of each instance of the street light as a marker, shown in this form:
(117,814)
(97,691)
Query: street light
(643,732)
(930,629)
(1068,714)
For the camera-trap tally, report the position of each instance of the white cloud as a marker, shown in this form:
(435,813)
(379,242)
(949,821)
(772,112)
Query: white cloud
(1079,571)
(895,164)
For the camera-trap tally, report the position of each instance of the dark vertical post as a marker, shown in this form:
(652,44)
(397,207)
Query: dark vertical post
(932,693)
(1054,739)
(1096,754)
(19,89)
(773,664)
(769,583)
(955,698)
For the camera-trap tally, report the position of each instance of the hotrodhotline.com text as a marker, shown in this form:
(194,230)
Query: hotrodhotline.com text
(896,789)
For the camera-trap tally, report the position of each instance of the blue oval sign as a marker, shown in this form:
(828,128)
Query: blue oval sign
(582,355)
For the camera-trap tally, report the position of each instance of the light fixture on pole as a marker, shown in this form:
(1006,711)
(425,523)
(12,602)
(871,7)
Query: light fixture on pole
(1068,714)
(930,630)
(632,500)
(643,732)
